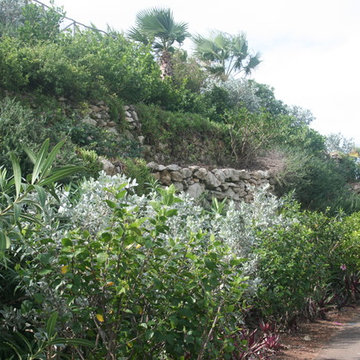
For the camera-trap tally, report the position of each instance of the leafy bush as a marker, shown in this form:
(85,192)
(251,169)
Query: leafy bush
(339,144)
(30,22)
(251,134)
(187,71)
(39,23)
(136,169)
(10,16)
(102,141)
(185,137)
(50,71)
(266,97)
(218,102)
(221,97)
(19,128)
(175,290)
(85,66)
(235,225)
(90,161)
(302,266)
(319,181)
(12,74)
(131,281)
(23,127)
(289,269)
(346,266)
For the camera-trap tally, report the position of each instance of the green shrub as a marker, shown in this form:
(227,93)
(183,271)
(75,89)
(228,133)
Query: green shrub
(135,168)
(23,127)
(319,181)
(51,72)
(185,137)
(218,102)
(136,291)
(104,142)
(30,22)
(85,66)
(297,266)
(116,110)
(19,128)
(10,16)
(12,74)
(187,71)
(120,67)
(90,161)
(350,245)
(39,23)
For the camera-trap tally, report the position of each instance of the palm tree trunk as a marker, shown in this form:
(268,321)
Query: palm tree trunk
(166,66)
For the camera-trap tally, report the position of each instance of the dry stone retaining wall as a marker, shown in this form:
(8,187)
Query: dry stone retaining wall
(238,185)
(98,115)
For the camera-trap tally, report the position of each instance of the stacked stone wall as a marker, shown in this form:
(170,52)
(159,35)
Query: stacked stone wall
(238,185)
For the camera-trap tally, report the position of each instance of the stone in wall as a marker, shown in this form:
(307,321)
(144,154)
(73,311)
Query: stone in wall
(108,166)
(98,115)
(131,117)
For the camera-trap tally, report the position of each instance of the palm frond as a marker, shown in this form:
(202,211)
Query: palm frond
(136,35)
(158,24)
(224,54)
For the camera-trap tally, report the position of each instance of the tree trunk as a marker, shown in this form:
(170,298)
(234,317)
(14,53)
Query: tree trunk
(166,65)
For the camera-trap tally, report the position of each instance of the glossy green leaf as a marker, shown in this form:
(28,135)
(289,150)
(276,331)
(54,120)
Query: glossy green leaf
(4,241)
(30,154)
(17,173)
(50,324)
(111,204)
(51,157)
(60,174)
(41,194)
(40,161)
(75,342)
(101,257)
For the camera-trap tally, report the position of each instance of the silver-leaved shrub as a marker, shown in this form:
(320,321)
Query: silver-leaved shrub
(237,227)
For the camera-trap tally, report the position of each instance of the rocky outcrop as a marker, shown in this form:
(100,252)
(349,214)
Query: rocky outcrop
(238,185)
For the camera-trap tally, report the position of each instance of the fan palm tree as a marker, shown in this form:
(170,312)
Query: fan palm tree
(157,27)
(224,54)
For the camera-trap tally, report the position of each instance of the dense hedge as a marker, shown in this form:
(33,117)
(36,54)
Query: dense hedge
(160,273)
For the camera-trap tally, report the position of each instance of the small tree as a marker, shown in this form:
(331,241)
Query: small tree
(30,22)
(158,28)
(10,16)
(224,54)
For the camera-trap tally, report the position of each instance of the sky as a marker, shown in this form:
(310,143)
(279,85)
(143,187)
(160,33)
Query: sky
(309,48)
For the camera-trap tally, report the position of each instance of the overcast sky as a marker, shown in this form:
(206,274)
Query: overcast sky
(309,48)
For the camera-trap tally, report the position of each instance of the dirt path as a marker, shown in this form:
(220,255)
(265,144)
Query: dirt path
(344,345)
(339,333)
